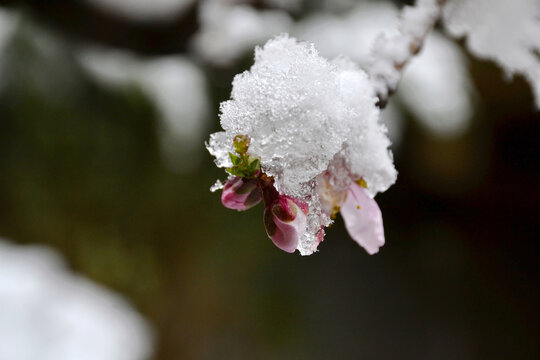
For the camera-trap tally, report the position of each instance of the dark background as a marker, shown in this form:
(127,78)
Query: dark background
(80,170)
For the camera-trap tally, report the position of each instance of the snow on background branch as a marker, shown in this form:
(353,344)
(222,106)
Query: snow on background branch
(47,312)
(507,32)
(391,53)
(175,84)
(435,87)
(228,30)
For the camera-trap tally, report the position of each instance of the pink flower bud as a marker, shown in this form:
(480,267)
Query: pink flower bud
(363,219)
(241,194)
(285,221)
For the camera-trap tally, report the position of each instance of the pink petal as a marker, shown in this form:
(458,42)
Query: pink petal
(241,194)
(285,222)
(363,219)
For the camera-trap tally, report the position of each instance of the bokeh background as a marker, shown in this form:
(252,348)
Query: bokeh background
(104,110)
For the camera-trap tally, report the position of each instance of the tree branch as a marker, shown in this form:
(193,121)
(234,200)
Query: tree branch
(392,53)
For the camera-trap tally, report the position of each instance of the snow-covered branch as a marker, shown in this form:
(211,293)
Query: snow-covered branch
(392,52)
(302,134)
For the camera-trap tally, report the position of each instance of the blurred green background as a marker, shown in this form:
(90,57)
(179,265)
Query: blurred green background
(81,171)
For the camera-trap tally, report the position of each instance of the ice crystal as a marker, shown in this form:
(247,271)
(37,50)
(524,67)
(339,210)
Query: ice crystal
(306,115)
(218,185)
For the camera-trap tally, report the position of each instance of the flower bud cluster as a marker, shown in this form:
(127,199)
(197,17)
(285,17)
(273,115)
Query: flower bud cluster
(299,133)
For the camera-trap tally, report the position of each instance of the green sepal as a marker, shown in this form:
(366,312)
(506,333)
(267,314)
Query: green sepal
(255,164)
(244,165)
(236,160)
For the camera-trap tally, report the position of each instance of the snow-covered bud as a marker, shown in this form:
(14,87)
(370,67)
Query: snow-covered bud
(295,116)
(241,194)
(285,222)
(363,219)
